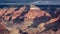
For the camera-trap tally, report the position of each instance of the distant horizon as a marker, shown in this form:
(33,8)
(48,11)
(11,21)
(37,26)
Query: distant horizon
(35,2)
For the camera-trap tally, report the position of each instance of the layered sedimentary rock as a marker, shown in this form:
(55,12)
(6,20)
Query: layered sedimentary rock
(30,19)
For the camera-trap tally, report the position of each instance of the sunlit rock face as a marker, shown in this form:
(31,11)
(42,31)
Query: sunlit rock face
(35,12)
(30,19)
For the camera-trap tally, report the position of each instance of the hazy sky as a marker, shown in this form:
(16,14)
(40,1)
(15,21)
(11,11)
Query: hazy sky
(26,1)
(32,1)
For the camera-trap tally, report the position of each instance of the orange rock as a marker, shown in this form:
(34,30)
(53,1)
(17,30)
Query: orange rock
(10,10)
(36,13)
(17,13)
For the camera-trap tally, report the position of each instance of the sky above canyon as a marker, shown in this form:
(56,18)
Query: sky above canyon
(38,2)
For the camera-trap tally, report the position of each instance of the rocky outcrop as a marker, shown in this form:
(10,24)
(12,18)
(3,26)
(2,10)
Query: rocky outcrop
(30,19)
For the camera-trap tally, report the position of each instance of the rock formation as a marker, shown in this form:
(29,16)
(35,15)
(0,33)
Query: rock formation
(29,19)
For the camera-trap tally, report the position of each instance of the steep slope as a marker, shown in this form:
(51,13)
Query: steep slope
(28,19)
